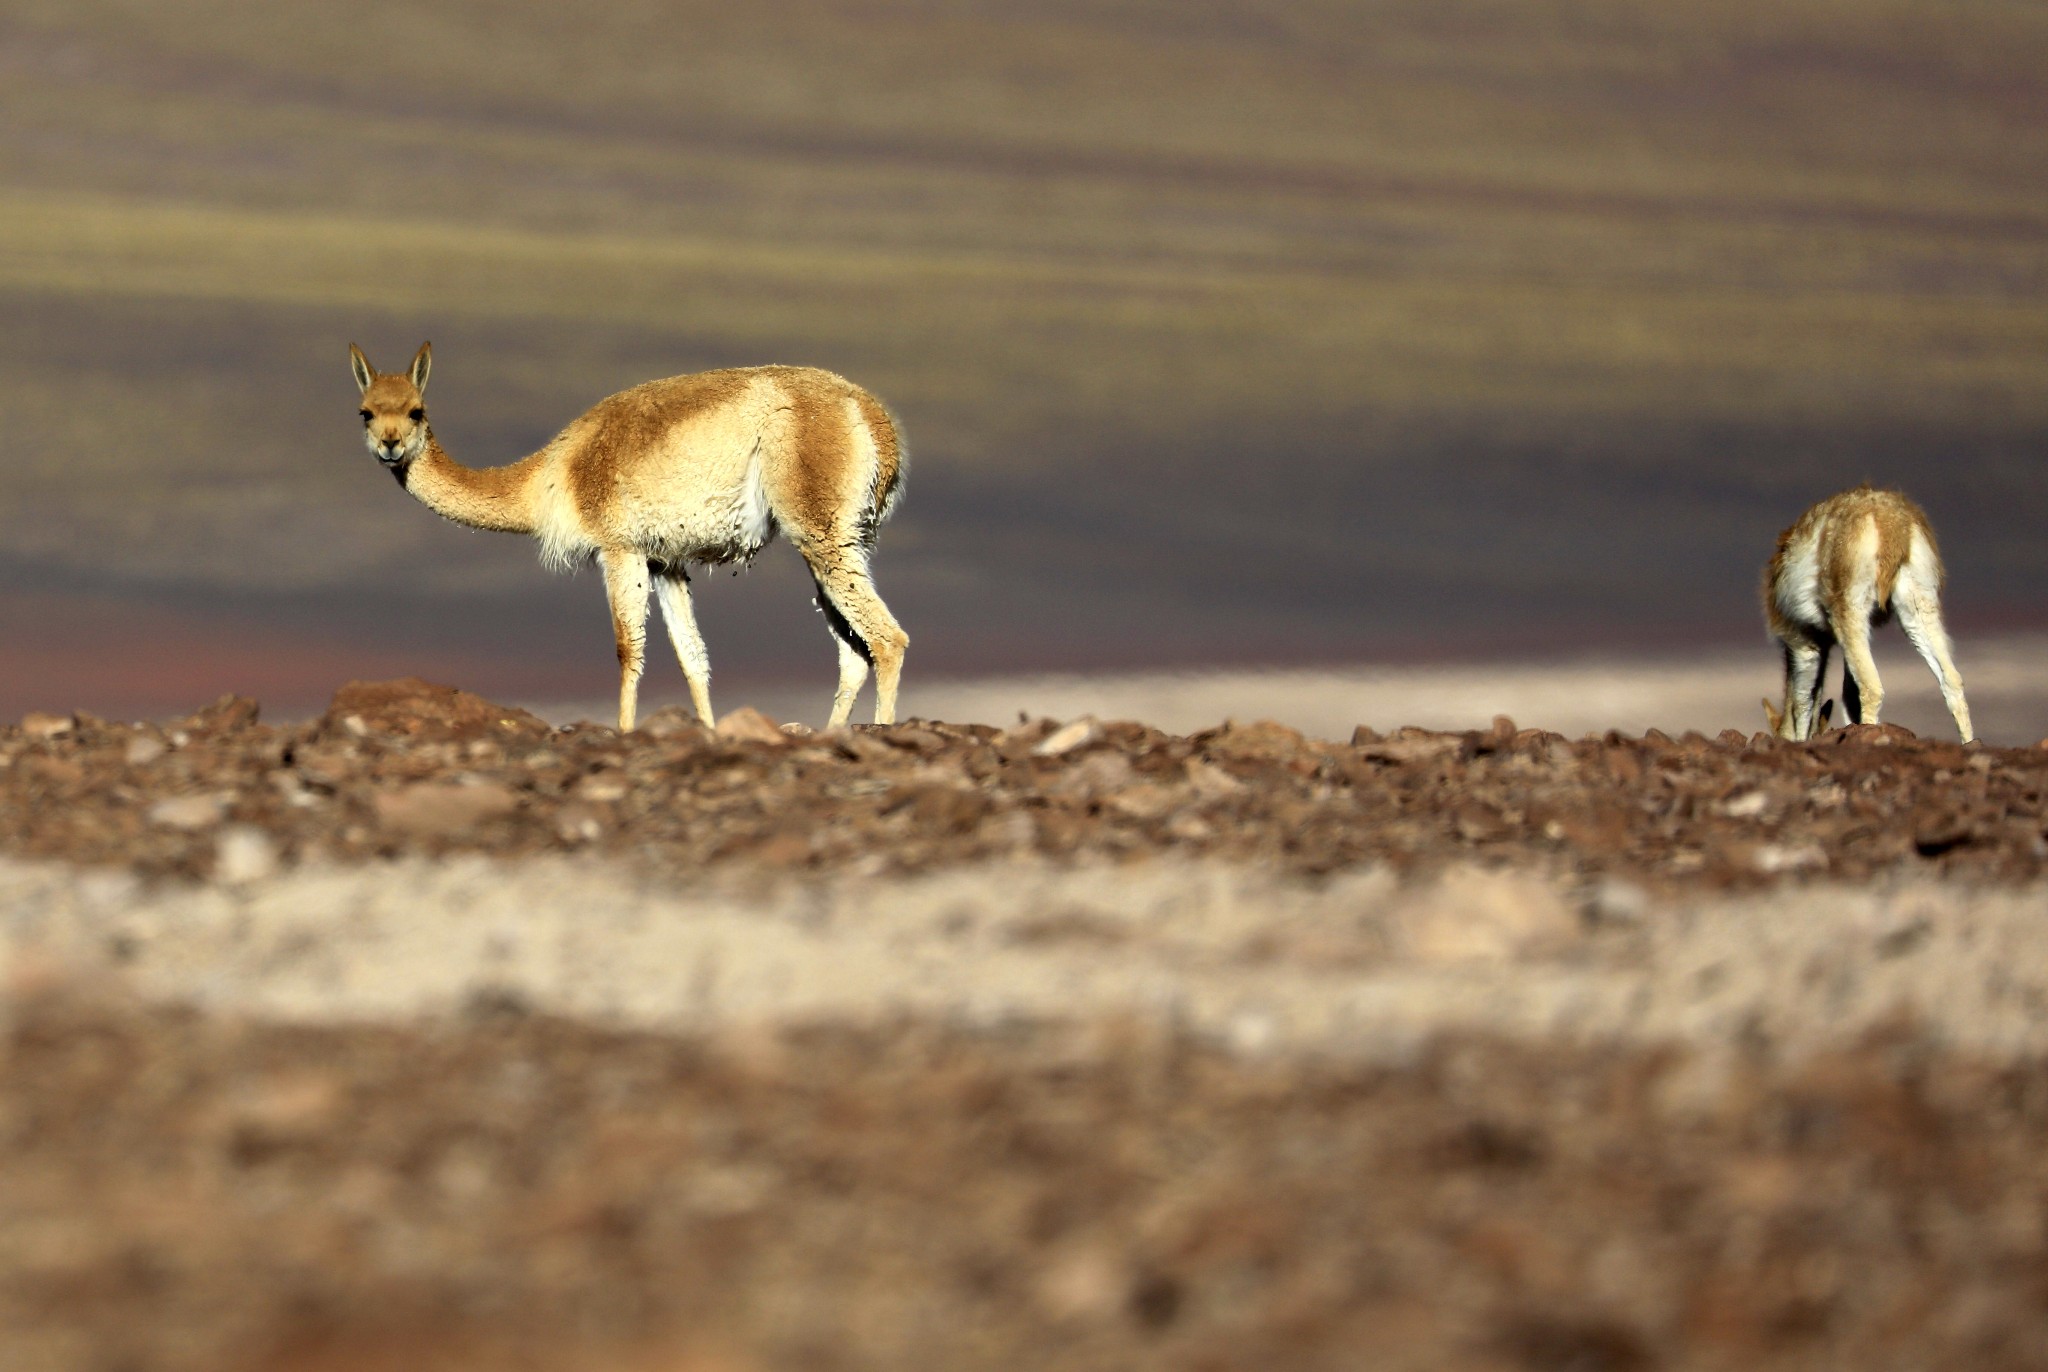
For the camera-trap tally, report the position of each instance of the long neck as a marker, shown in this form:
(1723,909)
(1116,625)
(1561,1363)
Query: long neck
(497,498)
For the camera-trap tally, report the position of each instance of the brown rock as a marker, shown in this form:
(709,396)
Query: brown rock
(1211,781)
(1146,800)
(947,809)
(673,721)
(440,809)
(37,724)
(1263,741)
(415,709)
(748,725)
(1418,748)
(1870,735)
(224,716)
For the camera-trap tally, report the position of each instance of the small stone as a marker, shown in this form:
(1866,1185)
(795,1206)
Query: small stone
(1616,901)
(1748,805)
(1210,781)
(440,809)
(602,787)
(1774,858)
(576,823)
(748,725)
(37,724)
(144,749)
(1065,739)
(190,812)
(1262,741)
(1146,800)
(244,854)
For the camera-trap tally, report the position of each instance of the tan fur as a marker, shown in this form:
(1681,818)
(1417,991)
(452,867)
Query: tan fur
(703,468)
(1846,563)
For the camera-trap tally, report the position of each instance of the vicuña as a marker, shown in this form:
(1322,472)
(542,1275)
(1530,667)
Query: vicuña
(1850,562)
(703,468)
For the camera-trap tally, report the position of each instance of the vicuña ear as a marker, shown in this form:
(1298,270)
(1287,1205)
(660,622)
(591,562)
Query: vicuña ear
(1773,715)
(422,363)
(360,365)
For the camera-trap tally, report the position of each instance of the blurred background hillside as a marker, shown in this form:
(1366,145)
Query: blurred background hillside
(1224,333)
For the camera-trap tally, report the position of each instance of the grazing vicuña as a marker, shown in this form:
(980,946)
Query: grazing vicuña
(1849,563)
(703,468)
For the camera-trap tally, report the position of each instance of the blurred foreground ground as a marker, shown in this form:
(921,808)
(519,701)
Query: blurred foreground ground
(424,1035)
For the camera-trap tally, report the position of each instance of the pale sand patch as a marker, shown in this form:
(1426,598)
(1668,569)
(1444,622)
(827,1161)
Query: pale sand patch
(1359,966)
(2006,678)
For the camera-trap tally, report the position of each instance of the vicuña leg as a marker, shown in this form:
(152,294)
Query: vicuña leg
(672,589)
(1806,663)
(1920,616)
(853,659)
(1862,692)
(849,592)
(625,586)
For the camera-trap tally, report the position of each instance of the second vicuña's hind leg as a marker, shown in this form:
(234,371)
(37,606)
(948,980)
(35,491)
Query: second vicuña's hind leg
(1862,692)
(849,592)
(1920,616)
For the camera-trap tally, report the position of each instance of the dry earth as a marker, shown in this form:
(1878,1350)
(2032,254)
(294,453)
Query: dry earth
(427,1035)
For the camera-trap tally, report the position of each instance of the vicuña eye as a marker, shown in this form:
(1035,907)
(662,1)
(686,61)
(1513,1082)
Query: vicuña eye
(417,414)
(365,414)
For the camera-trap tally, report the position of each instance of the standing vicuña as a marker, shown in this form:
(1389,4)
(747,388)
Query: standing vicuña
(1847,564)
(702,468)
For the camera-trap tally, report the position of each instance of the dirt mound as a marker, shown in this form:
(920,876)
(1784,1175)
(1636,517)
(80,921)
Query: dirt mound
(419,711)
(396,767)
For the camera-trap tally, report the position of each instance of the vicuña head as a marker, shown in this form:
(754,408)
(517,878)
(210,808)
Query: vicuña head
(1848,563)
(394,407)
(705,468)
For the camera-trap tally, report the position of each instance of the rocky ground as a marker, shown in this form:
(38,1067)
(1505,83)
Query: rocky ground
(424,1035)
(403,767)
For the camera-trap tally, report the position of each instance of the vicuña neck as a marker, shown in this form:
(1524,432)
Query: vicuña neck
(482,497)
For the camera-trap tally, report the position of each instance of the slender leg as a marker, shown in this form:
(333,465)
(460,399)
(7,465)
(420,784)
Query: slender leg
(1862,692)
(1805,662)
(853,660)
(1920,616)
(625,586)
(672,590)
(875,636)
